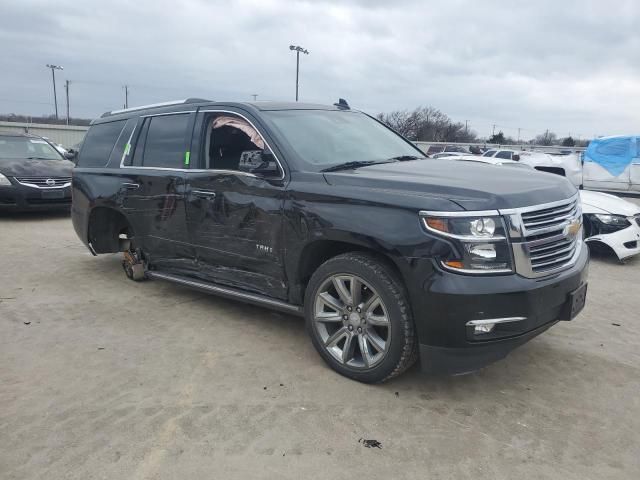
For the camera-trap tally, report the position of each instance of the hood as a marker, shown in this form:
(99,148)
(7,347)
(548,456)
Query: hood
(598,202)
(472,185)
(35,168)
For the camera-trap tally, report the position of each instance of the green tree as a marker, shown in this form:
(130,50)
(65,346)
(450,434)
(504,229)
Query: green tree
(498,138)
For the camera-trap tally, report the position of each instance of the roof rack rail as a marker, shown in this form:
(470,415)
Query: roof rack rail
(155,105)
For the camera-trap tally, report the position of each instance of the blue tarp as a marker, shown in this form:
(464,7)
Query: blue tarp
(613,154)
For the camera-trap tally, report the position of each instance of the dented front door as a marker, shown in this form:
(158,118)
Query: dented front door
(234,222)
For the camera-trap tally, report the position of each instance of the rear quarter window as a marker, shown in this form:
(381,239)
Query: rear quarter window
(98,144)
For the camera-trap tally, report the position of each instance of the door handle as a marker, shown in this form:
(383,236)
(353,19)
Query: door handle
(130,186)
(203,193)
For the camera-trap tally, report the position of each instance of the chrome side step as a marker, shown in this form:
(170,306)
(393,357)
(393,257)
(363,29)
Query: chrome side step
(228,292)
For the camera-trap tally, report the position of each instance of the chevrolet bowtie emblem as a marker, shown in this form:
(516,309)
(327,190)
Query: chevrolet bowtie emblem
(572,229)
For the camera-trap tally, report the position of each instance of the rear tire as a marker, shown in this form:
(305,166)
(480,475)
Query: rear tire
(359,319)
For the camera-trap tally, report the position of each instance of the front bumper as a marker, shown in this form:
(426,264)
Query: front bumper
(625,243)
(447,302)
(17,197)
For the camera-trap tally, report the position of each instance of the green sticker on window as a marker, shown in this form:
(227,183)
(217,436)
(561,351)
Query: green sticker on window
(187,155)
(127,148)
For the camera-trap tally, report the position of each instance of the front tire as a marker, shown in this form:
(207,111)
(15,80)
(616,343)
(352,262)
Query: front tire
(359,319)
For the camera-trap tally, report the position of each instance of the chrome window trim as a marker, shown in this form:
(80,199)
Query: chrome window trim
(202,170)
(261,136)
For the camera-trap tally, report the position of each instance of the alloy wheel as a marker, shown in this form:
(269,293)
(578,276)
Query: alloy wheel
(351,321)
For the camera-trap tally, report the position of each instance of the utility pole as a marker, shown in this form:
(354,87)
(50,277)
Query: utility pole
(494,130)
(519,134)
(466,127)
(53,76)
(298,50)
(255,96)
(66,88)
(126,96)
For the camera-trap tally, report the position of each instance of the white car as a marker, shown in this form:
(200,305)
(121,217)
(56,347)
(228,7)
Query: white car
(566,165)
(607,219)
(612,221)
(448,154)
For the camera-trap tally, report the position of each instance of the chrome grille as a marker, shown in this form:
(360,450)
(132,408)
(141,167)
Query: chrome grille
(44,182)
(546,238)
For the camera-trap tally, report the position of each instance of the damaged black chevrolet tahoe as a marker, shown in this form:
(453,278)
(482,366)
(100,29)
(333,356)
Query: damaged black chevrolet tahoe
(323,211)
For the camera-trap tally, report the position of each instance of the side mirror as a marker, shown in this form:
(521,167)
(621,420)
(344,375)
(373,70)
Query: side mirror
(70,155)
(268,165)
(515,157)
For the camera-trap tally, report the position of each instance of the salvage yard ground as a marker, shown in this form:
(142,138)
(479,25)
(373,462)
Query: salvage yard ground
(101,377)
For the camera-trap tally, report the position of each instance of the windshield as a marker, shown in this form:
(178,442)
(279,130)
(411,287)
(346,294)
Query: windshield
(324,138)
(25,147)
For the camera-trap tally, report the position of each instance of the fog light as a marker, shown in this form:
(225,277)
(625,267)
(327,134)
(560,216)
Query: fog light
(483,328)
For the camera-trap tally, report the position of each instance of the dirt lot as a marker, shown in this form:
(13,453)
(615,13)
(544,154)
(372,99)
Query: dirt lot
(101,377)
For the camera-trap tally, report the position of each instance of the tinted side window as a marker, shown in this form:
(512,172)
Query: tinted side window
(490,153)
(98,144)
(504,154)
(165,142)
(122,142)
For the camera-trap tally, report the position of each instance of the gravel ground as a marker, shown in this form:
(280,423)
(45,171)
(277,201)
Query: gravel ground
(101,377)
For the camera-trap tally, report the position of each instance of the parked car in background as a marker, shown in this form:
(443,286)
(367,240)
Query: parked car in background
(611,221)
(613,164)
(565,165)
(34,175)
(608,220)
(435,149)
(448,154)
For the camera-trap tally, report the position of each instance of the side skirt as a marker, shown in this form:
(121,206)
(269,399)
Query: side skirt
(229,292)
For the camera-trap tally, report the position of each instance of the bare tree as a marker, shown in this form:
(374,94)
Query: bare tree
(427,124)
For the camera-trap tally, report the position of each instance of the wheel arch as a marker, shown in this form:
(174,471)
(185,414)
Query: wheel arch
(104,228)
(317,252)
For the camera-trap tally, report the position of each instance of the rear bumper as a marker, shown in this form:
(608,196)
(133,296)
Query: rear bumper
(22,198)
(447,302)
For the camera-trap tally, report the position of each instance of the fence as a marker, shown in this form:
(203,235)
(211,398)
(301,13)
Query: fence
(65,135)
(424,146)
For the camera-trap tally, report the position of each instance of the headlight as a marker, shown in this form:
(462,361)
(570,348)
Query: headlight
(605,223)
(479,243)
(616,220)
(4,181)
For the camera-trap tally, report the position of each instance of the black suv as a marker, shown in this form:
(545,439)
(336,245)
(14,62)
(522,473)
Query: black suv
(325,212)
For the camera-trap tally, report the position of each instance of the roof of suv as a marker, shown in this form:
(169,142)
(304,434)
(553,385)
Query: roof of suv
(199,102)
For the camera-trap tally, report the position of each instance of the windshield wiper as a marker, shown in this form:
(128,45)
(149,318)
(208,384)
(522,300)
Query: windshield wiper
(404,158)
(38,158)
(350,165)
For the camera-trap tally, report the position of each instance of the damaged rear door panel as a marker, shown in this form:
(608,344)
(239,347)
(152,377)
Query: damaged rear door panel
(153,195)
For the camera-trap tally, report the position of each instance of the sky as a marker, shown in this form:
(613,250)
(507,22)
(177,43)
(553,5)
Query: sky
(569,66)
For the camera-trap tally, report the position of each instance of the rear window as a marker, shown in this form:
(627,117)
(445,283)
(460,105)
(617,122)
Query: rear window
(98,144)
(164,145)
